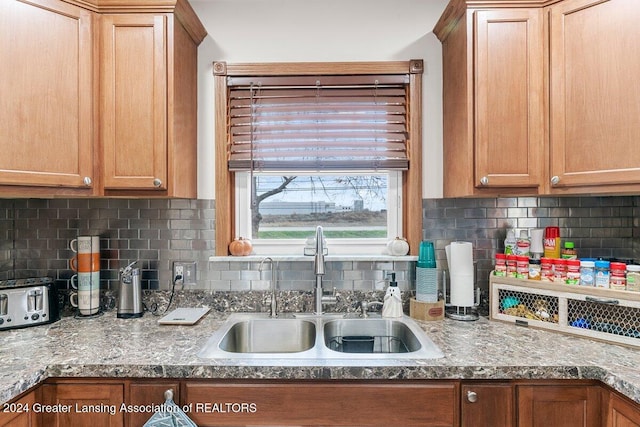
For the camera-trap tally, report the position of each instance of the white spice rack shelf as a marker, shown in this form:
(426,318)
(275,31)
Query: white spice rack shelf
(596,313)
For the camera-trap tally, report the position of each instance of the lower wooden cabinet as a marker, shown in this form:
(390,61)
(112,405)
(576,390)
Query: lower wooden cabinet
(559,406)
(84,402)
(96,402)
(20,412)
(327,403)
(143,393)
(622,412)
(487,404)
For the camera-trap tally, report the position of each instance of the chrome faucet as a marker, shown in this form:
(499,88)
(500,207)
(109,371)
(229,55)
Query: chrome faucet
(272,285)
(318,269)
(364,307)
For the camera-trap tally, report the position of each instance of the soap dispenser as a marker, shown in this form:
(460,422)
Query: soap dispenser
(392,306)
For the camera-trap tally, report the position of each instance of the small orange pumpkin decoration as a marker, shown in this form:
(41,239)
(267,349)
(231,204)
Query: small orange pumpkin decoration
(240,247)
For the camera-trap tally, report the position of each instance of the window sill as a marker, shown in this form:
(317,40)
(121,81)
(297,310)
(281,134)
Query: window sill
(327,258)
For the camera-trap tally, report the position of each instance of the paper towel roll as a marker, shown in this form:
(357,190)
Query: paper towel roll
(460,258)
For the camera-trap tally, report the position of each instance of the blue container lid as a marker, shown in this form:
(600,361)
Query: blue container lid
(602,264)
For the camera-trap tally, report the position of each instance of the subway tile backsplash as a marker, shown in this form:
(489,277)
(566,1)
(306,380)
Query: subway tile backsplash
(35,236)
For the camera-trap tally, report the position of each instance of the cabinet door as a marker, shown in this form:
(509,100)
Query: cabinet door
(322,404)
(147,393)
(95,405)
(487,405)
(134,101)
(19,413)
(559,406)
(622,413)
(47,103)
(509,102)
(594,94)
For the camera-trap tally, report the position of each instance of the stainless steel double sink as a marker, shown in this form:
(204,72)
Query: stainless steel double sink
(329,337)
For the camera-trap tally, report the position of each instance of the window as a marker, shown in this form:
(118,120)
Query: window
(300,145)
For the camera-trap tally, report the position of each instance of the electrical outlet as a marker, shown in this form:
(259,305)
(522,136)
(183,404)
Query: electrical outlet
(186,269)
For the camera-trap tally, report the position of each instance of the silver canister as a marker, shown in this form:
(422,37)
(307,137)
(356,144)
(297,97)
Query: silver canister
(130,293)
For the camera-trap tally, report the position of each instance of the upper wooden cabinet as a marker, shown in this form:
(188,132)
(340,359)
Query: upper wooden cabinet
(148,104)
(539,97)
(103,99)
(47,119)
(594,93)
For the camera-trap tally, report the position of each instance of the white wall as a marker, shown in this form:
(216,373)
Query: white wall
(321,30)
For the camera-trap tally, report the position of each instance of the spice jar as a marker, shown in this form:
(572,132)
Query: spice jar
(573,272)
(511,266)
(559,270)
(522,267)
(618,276)
(568,252)
(546,270)
(602,274)
(587,273)
(535,269)
(633,277)
(500,268)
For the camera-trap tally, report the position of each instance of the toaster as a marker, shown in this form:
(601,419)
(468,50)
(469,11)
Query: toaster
(28,302)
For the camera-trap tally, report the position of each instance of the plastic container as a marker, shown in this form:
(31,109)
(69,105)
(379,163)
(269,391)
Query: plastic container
(546,270)
(512,266)
(568,252)
(523,244)
(618,276)
(551,242)
(633,278)
(510,243)
(588,273)
(426,273)
(573,272)
(559,270)
(522,267)
(535,269)
(602,274)
(500,268)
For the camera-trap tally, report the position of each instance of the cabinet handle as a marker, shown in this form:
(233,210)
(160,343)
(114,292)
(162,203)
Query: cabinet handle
(472,396)
(87,181)
(157,182)
(555,180)
(484,180)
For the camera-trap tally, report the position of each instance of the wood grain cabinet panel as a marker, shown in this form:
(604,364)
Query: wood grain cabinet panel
(487,405)
(559,406)
(323,404)
(148,105)
(89,403)
(594,92)
(47,122)
(540,97)
(622,412)
(20,412)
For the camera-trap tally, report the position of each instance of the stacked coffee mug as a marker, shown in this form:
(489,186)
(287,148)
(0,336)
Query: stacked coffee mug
(86,281)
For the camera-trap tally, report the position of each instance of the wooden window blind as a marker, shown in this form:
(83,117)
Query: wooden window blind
(318,123)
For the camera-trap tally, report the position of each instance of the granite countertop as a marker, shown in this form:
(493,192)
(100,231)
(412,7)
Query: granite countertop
(106,346)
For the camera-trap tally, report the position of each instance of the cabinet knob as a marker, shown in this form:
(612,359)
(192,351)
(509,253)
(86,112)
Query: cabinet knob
(87,181)
(484,180)
(472,396)
(157,182)
(555,180)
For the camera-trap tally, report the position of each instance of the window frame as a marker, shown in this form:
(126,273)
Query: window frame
(225,181)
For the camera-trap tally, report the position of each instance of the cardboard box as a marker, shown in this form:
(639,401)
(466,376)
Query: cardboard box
(426,310)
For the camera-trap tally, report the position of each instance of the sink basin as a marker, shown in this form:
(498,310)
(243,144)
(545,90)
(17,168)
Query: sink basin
(313,340)
(269,336)
(370,336)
